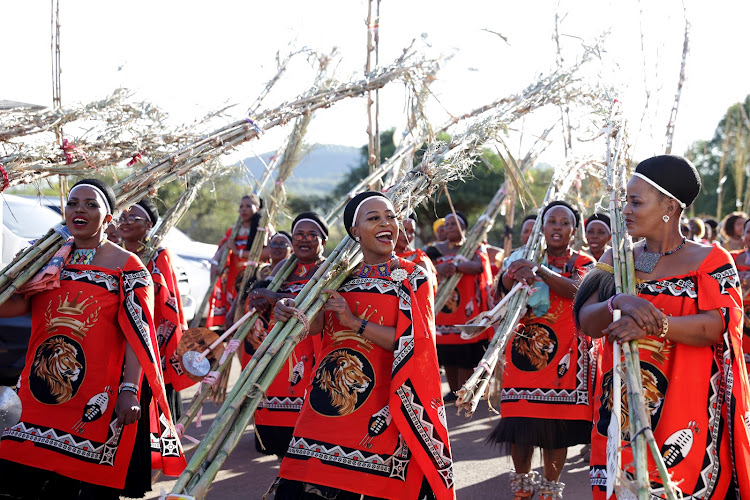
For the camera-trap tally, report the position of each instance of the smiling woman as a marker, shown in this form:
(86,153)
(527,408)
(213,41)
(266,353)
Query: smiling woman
(92,333)
(376,386)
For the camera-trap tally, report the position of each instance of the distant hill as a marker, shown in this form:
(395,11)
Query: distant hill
(320,170)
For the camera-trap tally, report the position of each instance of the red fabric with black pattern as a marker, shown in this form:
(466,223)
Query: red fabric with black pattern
(374,421)
(470,297)
(547,364)
(697,396)
(744,271)
(169,318)
(73,370)
(225,289)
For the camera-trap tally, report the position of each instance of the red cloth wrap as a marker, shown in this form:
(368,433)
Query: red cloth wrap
(697,396)
(541,349)
(470,298)
(225,289)
(69,385)
(387,433)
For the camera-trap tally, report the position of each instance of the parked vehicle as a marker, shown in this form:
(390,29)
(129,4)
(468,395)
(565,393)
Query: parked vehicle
(27,218)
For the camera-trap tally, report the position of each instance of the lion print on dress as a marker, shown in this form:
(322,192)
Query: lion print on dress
(55,371)
(342,377)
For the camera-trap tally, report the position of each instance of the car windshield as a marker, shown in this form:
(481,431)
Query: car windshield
(27,218)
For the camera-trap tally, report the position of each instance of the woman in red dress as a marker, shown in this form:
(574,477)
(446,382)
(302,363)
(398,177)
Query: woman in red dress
(226,290)
(459,357)
(135,224)
(598,234)
(278,411)
(742,261)
(405,248)
(92,340)
(373,423)
(687,318)
(544,401)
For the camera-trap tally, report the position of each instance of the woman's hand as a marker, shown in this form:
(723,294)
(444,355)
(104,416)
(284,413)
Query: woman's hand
(127,408)
(647,317)
(338,305)
(262,299)
(521,271)
(624,329)
(446,269)
(284,309)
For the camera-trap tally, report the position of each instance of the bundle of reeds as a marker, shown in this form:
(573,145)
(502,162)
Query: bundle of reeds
(641,434)
(172,217)
(289,159)
(441,164)
(115,130)
(149,178)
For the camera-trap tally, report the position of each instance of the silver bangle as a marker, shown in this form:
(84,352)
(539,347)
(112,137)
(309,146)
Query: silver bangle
(129,386)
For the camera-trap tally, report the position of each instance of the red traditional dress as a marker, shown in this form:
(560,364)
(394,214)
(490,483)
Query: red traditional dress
(697,396)
(743,269)
(225,289)
(374,421)
(420,258)
(73,370)
(169,318)
(470,298)
(547,372)
(278,410)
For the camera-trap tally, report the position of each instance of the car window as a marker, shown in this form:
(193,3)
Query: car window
(27,218)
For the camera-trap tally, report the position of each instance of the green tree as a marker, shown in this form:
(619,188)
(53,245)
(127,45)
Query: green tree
(730,142)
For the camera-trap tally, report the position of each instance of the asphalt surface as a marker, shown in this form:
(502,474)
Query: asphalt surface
(479,471)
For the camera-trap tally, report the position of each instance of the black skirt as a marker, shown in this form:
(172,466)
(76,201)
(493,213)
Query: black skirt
(275,440)
(465,356)
(545,433)
(286,489)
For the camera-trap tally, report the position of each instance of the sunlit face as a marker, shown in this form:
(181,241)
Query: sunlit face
(86,212)
(644,209)
(526,230)
(377,228)
(279,248)
(452,232)
(597,237)
(558,227)
(247,209)
(307,242)
(746,234)
(406,235)
(134,224)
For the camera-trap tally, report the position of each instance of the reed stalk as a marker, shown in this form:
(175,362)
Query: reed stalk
(641,434)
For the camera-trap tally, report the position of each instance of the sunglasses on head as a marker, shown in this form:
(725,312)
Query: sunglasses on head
(278,244)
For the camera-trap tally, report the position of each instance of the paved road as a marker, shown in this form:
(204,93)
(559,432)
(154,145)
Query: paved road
(480,473)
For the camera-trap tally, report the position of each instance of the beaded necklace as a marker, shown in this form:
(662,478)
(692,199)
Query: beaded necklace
(646,261)
(382,270)
(84,256)
(139,249)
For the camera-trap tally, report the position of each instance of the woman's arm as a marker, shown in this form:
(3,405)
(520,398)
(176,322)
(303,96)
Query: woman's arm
(699,330)
(16,305)
(128,407)
(465,266)
(381,336)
